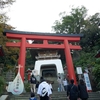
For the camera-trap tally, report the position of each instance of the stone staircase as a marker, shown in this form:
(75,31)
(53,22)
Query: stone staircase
(94,96)
(56,95)
(25,96)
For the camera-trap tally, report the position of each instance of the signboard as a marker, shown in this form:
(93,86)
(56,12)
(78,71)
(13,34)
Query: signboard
(87,81)
(17,86)
(79,70)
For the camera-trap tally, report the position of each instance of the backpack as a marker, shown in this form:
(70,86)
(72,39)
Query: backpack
(44,92)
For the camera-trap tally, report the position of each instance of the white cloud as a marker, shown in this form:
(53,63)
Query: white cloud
(39,15)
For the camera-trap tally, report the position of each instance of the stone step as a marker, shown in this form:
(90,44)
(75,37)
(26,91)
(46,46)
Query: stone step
(27,98)
(56,96)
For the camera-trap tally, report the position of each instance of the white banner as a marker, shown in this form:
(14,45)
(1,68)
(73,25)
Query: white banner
(87,81)
(17,86)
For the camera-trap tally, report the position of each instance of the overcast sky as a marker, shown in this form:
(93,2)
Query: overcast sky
(39,15)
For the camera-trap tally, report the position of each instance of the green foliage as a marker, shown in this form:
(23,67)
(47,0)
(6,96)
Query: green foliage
(91,33)
(2,84)
(85,60)
(73,23)
(11,54)
(3,18)
(96,70)
(27,87)
(10,58)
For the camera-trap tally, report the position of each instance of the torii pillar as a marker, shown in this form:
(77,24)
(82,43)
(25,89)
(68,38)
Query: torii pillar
(45,37)
(22,56)
(69,61)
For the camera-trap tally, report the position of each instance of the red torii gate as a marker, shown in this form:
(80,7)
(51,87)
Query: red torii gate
(45,37)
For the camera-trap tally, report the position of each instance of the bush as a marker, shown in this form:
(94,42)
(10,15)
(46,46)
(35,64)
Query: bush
(27,87)
(2,84)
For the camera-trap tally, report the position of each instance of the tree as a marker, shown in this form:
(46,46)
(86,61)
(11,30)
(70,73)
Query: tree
(4,4)
(10,53)
(78,22)
(91,33)
(73,23)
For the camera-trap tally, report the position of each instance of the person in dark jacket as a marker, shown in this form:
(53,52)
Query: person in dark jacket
(33,81)
(72,91)
(82,90)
